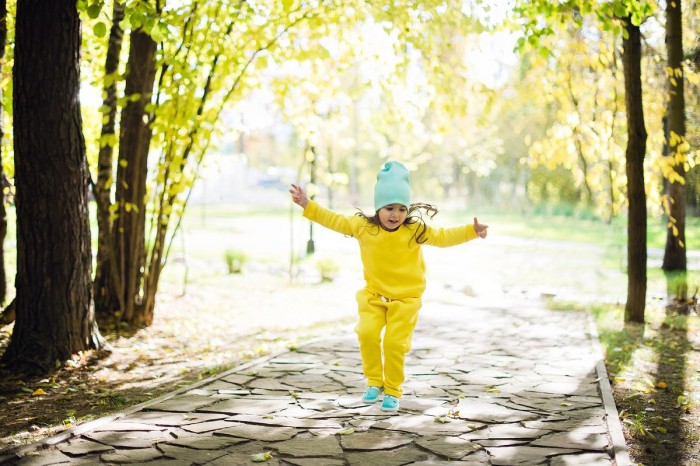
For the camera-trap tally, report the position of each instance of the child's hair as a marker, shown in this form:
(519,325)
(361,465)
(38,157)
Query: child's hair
(415,215)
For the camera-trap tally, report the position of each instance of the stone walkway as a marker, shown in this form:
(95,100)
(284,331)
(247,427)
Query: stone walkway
(511,384)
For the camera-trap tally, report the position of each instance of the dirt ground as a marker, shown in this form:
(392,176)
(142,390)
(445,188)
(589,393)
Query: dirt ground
(218,324)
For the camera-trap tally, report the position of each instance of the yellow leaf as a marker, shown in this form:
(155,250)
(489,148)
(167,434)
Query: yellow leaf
(38,392)
(443,419)
(662,384)
(260,457)
(346,431)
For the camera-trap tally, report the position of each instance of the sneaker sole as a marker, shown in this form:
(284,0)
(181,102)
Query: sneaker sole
(367,402)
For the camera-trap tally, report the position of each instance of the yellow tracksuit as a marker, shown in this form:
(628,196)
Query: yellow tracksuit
(394,272)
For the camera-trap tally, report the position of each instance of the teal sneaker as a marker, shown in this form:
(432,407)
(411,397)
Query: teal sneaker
(390,404)
(371,395)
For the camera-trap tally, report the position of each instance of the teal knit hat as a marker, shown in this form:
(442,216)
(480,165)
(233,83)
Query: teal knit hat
(393,186)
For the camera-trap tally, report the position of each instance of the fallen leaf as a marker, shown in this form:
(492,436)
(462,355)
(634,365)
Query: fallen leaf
(38,392)
(346,431)
(662,384)
(260,457)
(443,419)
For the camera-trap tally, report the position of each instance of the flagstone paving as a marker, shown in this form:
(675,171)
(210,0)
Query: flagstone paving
(513,384)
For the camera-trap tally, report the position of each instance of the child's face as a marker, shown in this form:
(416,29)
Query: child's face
(392,216)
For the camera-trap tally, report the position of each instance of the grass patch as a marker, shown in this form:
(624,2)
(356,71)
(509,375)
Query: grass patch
(653,371)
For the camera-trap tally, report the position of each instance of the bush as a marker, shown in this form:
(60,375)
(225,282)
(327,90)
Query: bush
(235,259)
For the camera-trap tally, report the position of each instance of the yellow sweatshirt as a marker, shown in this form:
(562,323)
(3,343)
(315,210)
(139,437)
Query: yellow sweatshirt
(392,260)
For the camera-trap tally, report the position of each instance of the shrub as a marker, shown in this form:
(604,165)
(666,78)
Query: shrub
(235,259)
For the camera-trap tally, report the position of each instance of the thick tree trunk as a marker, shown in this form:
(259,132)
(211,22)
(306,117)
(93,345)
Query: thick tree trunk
(135,139)
(105,174)
(54,313)
(3,211)
(675,253)
(634,167)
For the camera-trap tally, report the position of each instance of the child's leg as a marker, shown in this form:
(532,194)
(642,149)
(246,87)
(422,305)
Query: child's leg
(401,317)
(372,319)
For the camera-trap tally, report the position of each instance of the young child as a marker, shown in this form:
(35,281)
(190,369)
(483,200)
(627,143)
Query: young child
(394,271)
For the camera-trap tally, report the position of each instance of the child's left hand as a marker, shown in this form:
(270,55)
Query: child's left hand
(481,229)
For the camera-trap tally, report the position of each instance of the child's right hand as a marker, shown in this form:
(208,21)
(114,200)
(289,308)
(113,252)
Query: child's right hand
(299,196)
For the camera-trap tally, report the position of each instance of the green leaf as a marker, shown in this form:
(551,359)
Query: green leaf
(125,24)
(108,140)
(620,10)
(100,29)
(156,33)
(94,10)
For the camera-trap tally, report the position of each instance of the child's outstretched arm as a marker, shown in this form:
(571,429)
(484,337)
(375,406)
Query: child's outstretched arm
(299,196)
(321,215)
(481,229)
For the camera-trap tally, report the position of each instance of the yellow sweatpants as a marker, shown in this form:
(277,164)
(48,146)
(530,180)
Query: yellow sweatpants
(400,318)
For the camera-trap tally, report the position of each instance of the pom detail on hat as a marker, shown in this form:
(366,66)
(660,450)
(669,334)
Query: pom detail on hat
(393,186)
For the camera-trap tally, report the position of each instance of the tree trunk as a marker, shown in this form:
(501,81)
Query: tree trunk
(54,313)
(693,176)
(102,187)
(634,167)
(3,211)
(675,252)
(135,138)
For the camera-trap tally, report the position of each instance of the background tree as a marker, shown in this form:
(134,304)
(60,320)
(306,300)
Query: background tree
(128,230)
(105,161)
(3,211)
(54,313)
(624,16)
(675,253)
(582,139)
(634,167)
(176,98)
